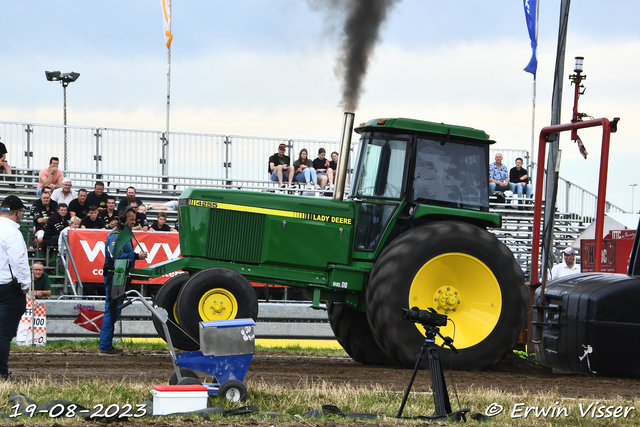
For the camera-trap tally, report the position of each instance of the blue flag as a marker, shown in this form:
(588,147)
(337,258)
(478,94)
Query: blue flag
(530,12)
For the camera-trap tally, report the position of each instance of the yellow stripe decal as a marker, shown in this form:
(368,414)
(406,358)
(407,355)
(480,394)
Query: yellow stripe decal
(266,211)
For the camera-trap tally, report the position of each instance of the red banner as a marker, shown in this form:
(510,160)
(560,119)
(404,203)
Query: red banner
(87,248)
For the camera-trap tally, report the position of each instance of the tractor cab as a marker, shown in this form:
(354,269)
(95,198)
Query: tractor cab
(403,164)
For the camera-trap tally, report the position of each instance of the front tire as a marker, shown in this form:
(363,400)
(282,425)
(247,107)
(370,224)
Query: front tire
(215,294)
(166,298)
(463,272)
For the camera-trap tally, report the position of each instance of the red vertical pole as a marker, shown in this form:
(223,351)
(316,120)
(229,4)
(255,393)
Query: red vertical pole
(602,192)
(537,214)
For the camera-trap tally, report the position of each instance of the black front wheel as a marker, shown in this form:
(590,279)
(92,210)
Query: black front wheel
(166,298)
(215,294)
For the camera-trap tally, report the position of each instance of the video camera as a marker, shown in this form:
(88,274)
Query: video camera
(424,317)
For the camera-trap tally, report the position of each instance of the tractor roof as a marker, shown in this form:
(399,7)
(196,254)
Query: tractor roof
(412,125)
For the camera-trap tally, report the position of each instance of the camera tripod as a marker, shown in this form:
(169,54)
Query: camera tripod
(438,384)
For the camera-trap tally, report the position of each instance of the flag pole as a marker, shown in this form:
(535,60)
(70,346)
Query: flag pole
(169,36)
(532,157)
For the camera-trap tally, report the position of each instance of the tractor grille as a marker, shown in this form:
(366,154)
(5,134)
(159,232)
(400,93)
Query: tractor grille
(236,236)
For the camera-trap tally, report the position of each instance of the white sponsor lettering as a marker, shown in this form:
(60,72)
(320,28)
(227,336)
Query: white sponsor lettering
(92,253)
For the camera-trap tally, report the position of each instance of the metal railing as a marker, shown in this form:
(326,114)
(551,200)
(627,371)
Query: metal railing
(135,157)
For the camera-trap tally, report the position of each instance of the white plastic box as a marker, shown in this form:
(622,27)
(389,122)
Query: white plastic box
(172,399)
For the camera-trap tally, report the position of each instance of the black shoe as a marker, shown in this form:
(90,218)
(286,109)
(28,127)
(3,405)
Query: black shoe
(111,352)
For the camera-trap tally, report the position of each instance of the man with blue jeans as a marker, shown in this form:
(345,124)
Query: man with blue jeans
(111,310)
(520,179)
(498,176)
(13,264)
(280,167)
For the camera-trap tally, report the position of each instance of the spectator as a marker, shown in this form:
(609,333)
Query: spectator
(324,172)
(110,215)
(41,210)
(333,164)
(41,282)
(64,194)
(520,179)
(161,224)
(169,206)
(304,170)
(568,265)
(50,177)
(498,176)
(4,163)
(79,207)
(98,197)
(280,167)
(141,219)
(55,224)
(92,220)
(126,201)
(64,234)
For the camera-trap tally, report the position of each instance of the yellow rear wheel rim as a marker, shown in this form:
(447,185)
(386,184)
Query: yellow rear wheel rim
(465,289)
(218,304)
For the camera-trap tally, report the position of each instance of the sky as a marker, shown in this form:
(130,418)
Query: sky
(267,68)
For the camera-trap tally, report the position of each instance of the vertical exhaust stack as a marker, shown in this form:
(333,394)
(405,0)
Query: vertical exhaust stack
(343,160)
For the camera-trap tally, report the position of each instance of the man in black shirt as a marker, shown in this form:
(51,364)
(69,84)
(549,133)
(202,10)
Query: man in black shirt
(98,197)
(126,201)
(92,220)
(161,223)
(79,207)
(41,210)
(520,178)
(109,215)
(280,167)
(55,224)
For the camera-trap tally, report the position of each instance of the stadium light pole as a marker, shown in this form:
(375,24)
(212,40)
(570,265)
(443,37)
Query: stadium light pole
(633,187)
(64,79)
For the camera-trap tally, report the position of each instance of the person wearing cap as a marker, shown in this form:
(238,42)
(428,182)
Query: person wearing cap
(92,220)
(568,266)
(50,177)
(280,167)
(13,264)
(64,194)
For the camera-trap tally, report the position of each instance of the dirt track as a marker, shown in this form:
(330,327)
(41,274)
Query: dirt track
(513,376)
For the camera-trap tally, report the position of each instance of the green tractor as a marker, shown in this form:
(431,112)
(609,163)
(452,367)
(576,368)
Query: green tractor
(412,233)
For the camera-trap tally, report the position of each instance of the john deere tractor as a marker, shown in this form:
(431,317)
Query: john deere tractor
(411,233)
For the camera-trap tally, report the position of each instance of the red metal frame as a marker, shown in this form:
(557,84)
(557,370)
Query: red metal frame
(602,187)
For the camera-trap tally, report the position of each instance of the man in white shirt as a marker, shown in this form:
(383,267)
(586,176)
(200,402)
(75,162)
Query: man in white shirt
(568,267)
(13,263)
(64,194)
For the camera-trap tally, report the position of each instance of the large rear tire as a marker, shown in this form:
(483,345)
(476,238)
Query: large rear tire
(463,272)
(352,330)
(215,294)
(166,298)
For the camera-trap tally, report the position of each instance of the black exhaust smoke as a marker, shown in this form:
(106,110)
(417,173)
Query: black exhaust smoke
(362,22)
